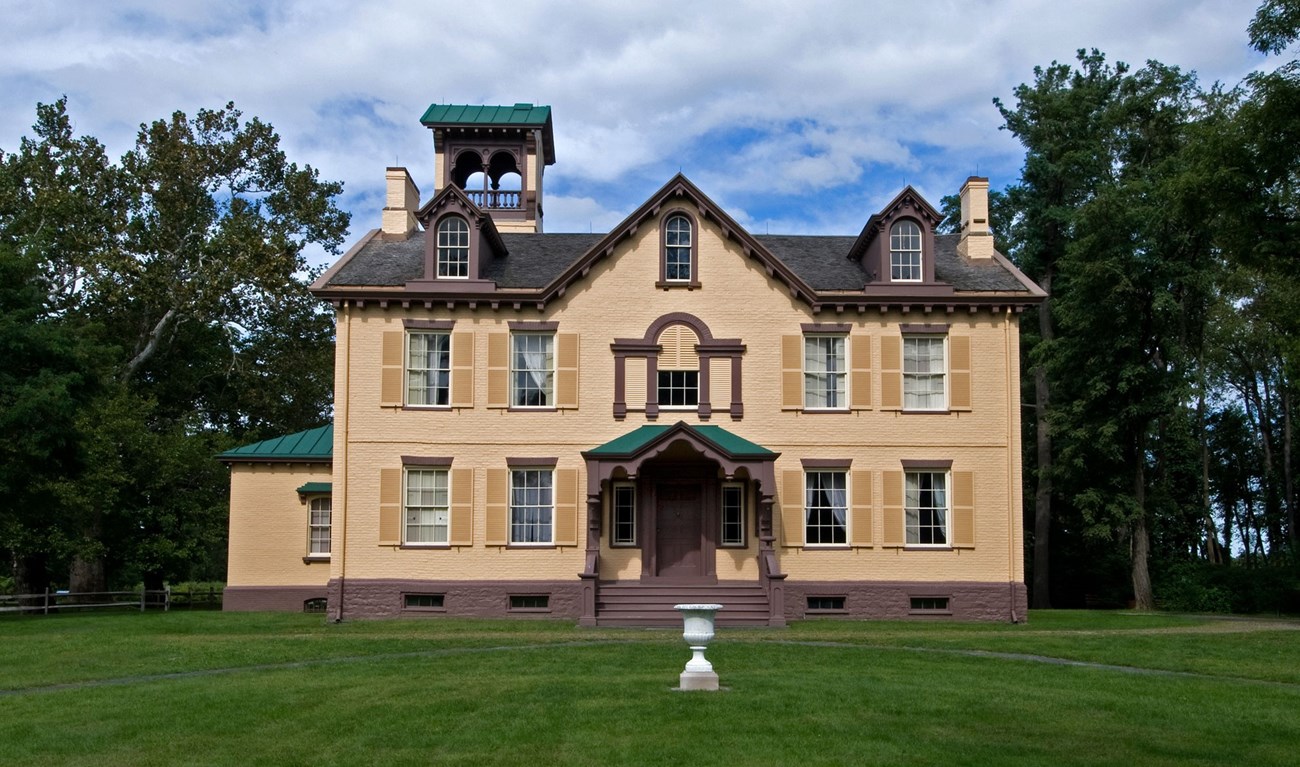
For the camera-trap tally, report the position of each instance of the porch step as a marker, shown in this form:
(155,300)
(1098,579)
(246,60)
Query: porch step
(638,604)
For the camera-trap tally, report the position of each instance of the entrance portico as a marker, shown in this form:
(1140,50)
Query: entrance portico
(677,494)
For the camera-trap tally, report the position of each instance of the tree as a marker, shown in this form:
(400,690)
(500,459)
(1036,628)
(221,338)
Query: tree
(181,268)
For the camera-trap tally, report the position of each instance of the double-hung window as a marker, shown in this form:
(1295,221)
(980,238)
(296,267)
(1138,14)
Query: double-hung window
(924,372)
(823,372)
(428,368)
(733,514)
(905,252)
(623,515)
(319,527)
(532,506)
(532,370)
(926,508)
(453,247)
(428,506)
(677,250)
(826,502)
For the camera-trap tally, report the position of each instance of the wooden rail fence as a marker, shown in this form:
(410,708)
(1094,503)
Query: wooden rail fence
(143,599)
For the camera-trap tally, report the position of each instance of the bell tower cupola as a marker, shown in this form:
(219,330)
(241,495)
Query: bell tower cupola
(496,155)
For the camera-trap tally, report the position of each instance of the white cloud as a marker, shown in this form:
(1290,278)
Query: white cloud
(822,100)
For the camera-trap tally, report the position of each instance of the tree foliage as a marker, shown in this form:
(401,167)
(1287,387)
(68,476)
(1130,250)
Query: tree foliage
(158,306)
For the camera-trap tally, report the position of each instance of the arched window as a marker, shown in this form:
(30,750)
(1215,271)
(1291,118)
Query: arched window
(905,252)
(453,247)
(677,250)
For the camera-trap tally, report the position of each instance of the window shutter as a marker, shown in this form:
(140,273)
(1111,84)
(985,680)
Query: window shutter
(720,383)
(498,365)
(959,372)
(498,507)
(462,508)
(792,523)
(566,371)
(391,380)
(860,514)
(792,378)
(893,497)
(860,372)
(462,370)
(891,373)
(390,506)
(963,510)
(634,378)
(566,507)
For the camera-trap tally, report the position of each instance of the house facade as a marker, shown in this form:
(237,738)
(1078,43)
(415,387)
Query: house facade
(599,426)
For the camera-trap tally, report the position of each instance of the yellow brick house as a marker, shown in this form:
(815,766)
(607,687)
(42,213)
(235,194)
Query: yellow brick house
(598,426)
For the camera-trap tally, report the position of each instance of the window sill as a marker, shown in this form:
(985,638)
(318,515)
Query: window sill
(927,547)
(531,546)
(528,609)
(528,409)
(827,547)
(314,558)
(429,407)
(424,546)
(624,545)
(669,285)
(734,546)
(920,411)
(930,612)
(826,612)
(833,410)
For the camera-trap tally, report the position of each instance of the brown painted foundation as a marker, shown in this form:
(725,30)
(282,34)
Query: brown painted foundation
(269,598)
(893,600)
(468,599)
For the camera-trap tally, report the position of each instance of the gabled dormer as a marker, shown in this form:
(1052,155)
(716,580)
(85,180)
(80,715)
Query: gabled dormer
(460,239)
(896,247)
(495,155)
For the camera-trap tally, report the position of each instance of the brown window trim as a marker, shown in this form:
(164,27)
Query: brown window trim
(426,460)
(312,559)
(532,463)
(826,463)
(924,329)
(707,347)
(532,326)
(410,324)
(919,464)
(826,328)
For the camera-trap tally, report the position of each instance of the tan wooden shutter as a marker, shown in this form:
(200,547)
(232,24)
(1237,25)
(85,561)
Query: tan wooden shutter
(462,370)
(566,371)
(498,365)
(634,378)
(860,372)
(566,507)
(891,372)
(720,383)
(959,372)
(894,534)
(462,508)
(792,521)
(390,506)
(963,510)
(391,380)
(497,529)
(792,377)
(860,515)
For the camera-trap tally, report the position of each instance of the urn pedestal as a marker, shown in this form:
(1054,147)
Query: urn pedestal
(697,632)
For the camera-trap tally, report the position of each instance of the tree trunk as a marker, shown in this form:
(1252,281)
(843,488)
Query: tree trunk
(1142,596)
(1288,483)
(1042,586)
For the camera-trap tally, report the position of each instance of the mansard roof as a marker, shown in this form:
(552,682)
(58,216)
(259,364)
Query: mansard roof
(820,270)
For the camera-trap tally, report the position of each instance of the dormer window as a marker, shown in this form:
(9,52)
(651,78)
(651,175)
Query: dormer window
(905,252)
(453,247)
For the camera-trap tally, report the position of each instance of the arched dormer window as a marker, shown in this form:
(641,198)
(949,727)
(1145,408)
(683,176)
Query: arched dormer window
(678,259)
(905,252)
(453,247)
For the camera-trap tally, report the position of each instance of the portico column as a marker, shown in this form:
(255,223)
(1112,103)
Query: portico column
(591,569)
(773,578)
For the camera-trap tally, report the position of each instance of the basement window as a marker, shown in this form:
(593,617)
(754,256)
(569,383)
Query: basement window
(524,603)
(930,606)
(316,605)
(826,604)
(423,602)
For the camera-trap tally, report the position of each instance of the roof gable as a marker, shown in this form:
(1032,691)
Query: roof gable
(908,201)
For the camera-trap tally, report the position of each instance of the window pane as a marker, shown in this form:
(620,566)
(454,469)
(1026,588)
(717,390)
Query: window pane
(926,516)
(679,388)
(531,506)
(905,251)
(923,373)
(677,249)
(624,515)
(427,509)
(453,248)
(428,369)
(824,372)
(532,369)
(826,507)
(733,515)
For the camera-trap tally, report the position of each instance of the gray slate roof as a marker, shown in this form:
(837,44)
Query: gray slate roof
(535,260)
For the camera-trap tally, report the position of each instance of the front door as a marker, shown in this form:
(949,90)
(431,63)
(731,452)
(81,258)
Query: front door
(679,529)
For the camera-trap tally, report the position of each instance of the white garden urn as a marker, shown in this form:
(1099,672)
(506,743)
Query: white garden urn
(697,632)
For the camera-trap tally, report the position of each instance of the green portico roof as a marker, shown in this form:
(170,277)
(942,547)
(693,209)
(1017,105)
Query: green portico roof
(638,439)
(304,446)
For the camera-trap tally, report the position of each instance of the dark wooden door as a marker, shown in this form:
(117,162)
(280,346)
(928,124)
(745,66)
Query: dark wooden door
(678,530)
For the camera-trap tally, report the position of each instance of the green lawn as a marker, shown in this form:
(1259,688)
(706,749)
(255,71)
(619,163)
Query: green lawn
(214,688)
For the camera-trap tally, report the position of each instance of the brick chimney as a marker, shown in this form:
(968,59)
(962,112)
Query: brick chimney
(976,241)
(399,209)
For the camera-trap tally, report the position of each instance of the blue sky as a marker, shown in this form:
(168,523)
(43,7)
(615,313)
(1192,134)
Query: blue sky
(797,117)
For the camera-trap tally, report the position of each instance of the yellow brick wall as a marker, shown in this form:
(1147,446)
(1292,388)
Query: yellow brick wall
(268,525)
(737,300)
